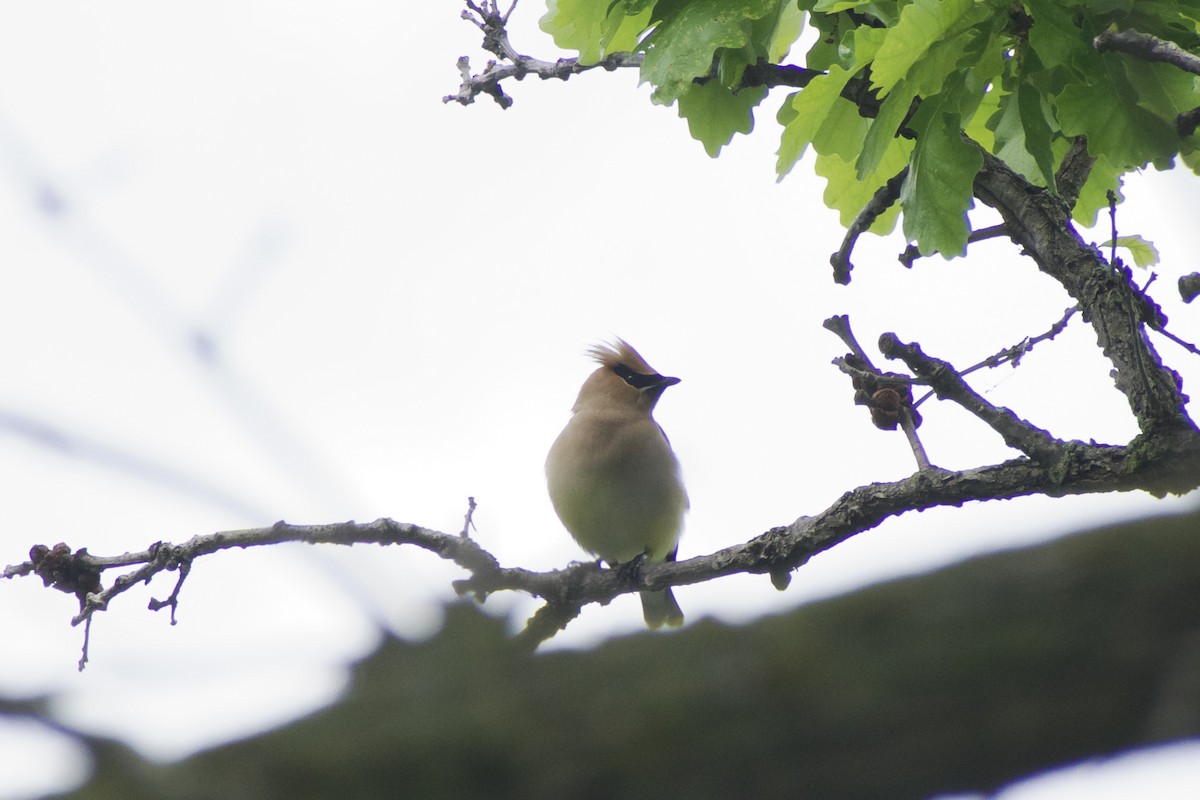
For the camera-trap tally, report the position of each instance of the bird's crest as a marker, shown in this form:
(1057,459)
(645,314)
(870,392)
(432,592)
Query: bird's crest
(618,353)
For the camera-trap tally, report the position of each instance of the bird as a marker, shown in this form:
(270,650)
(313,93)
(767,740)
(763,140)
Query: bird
(614,480)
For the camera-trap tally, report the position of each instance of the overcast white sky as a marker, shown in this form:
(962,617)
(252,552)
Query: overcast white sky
(396,296)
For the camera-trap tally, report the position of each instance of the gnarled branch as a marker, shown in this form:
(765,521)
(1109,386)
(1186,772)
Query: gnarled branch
(1116,309)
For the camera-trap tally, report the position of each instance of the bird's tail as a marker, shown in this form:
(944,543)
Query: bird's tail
(660,608)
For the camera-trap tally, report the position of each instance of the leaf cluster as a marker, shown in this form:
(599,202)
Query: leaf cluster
(922,86)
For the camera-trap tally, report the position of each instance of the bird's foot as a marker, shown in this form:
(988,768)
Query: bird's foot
(631,570)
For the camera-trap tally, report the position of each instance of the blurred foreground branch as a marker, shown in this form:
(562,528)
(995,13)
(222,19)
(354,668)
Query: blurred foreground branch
(961,681)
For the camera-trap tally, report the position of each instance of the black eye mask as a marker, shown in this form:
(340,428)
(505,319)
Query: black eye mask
(636,379)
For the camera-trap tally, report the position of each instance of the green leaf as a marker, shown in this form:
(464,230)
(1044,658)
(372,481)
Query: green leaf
(827,50)
(803,115)
(922,24)
(976,58)
(848,195)
(1122,118)
(731,65)
(864,43)
(1035,123)
(883,129)
(1023,128)
(1010,139)
(1093,197)
(834,6)
(785,29)
(1105,110)
(1174,20)
(882,10)
(1162,89)
(938,190)
(927,75)
(1108,6)
(1191,159)
(980,128)
(682,46)
(715,113)
(1145,254)
(1058,41)
(593,29)
(841,132)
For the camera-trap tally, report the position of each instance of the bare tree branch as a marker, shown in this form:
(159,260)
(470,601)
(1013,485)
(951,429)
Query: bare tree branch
(839,325)
(1148,48)
(488,81)
(1079,468)
(514,65)
(948,384)
(488,18)
(1074,170)
(1116,309)
(908,423)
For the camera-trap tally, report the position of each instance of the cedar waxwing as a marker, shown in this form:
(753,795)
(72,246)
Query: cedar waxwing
(613,478)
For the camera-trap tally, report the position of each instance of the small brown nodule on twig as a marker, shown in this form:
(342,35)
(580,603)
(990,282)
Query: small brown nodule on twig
(58,567)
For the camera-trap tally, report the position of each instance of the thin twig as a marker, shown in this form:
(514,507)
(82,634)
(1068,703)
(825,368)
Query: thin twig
(487,17)
(911,253)
(1112,216)
(87,640)
(909,426)
(1191,348)
(172,601)
(1015,353)
(468,521)
(839,324)
(949,384)
(881,201)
